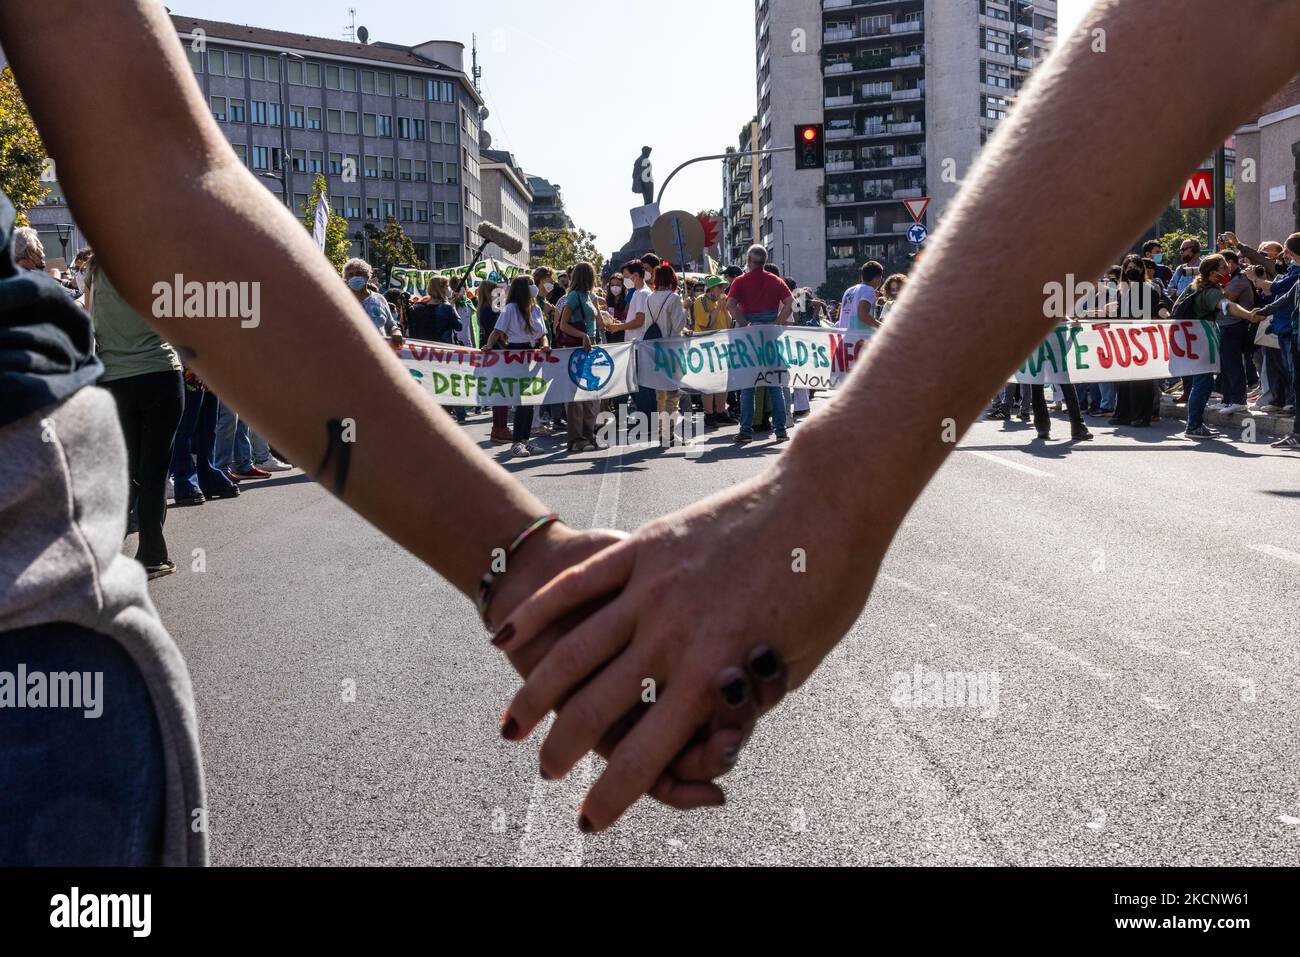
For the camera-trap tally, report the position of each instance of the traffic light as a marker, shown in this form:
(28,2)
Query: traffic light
(810,146)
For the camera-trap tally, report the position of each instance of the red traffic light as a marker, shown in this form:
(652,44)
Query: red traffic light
(809,134)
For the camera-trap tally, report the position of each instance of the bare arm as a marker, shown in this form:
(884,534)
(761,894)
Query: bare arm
(214,222)
(1034,164)
(865,316)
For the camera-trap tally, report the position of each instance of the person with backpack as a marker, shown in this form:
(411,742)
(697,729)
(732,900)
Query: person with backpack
(1286,306)
(666,318)
(1203,301)
(577,326)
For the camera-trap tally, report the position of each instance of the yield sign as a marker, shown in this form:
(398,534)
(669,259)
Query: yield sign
(917,207)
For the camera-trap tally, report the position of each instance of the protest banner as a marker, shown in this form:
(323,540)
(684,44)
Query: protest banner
(455,375)
(794,357)
(1085,352)
(415,281)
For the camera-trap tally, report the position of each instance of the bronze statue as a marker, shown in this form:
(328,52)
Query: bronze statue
(643,177)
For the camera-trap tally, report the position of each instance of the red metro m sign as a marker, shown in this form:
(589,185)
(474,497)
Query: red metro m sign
(1198,193)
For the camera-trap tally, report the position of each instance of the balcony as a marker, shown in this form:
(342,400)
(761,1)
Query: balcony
(840,133)
(843,166)
(898,129)
(838,230)
(837,68)
(907,26)
(836,101)
(841,262)
(908,161)
(914,93)
(903,62)
(839,35)
(840,199)
(912,192)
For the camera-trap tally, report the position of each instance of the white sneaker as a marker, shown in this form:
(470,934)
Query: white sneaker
(520,450)
(272,464)
(1232,408)
(534,448)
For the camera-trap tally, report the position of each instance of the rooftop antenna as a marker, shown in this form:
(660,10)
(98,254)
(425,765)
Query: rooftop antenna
(351,31)
(476,70)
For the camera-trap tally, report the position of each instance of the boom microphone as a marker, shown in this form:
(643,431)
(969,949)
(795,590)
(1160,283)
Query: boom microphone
(492,233)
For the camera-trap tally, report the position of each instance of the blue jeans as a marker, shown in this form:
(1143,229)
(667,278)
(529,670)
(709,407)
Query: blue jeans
(1287,346)
(78,791)
(192,469)
(1108,396)
(238,446)
(1089,391)
(1198,398)
(775,396)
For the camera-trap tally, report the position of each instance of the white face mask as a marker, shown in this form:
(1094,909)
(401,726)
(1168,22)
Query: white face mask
(615,290)
(533,291)
(548,286)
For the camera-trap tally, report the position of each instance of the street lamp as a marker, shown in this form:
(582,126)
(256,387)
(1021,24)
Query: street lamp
(286,162)
(65,233)
(784,264)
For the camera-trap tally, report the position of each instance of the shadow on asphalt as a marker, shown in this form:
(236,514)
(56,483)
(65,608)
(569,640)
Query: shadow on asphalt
(714,447)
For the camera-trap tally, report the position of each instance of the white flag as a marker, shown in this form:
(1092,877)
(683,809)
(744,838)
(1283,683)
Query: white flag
(322,220)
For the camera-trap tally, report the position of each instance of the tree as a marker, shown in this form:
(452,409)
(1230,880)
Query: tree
(22,156)
(1171,243)
(337,245)
(392,247)
(563,248)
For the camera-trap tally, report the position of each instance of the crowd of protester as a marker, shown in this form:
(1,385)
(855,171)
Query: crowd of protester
(186,444)
(1253,296)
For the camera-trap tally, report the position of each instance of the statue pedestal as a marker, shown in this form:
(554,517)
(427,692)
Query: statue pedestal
(634,248)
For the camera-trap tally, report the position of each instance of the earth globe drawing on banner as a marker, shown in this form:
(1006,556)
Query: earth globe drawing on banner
(591,370)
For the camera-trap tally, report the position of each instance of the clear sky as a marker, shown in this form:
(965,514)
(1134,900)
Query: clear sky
(575,94)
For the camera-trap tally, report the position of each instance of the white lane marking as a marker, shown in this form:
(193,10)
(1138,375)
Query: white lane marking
(551,835)
(1028,470)
(1274,552)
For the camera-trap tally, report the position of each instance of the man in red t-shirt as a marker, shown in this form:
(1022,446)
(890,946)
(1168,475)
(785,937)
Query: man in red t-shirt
(760,298)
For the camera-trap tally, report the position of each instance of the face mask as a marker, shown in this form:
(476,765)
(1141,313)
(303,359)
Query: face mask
(532,291)
(1158,258)
(1188,257)
(615,290)
(1135,275)
(548,286)
(357,283)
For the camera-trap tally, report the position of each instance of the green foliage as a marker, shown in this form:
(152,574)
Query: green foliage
(22,156)
(392,247)
(562,248)
(337,245)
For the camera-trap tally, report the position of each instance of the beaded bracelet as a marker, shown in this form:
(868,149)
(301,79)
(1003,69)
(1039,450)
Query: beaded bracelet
(487,585)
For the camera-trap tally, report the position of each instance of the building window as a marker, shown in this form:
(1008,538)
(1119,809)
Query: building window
(241,151)
(273,69)
(339,206)
(385,125)
(435,170)
(453,213)
(371,167)
(334,119)
(311,74)
(217,62)
(218,107)
(299,161)
(300,203)
(407,211)
(261,158)
(237,114)
(438,214)
(354,207)
(297,118)
(993,107)
(996,41)
(453,174)
(256,67)
(384,84)
(448,92)
(368,125)
(386,167)
(257,112)
(402,86)
(235,64)
(417,171)
(273,117)
(348,79)
(449,134)
(390,210)
(316,161)
(435,132)
(372,208)
(294,72)
(350,122)
(196,59)
(404,170)
(313,117)
(336,164)
(367,81)
(331,78)
(421,211)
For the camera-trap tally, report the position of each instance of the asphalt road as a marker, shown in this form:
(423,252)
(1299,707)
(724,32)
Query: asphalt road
(1126,606)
